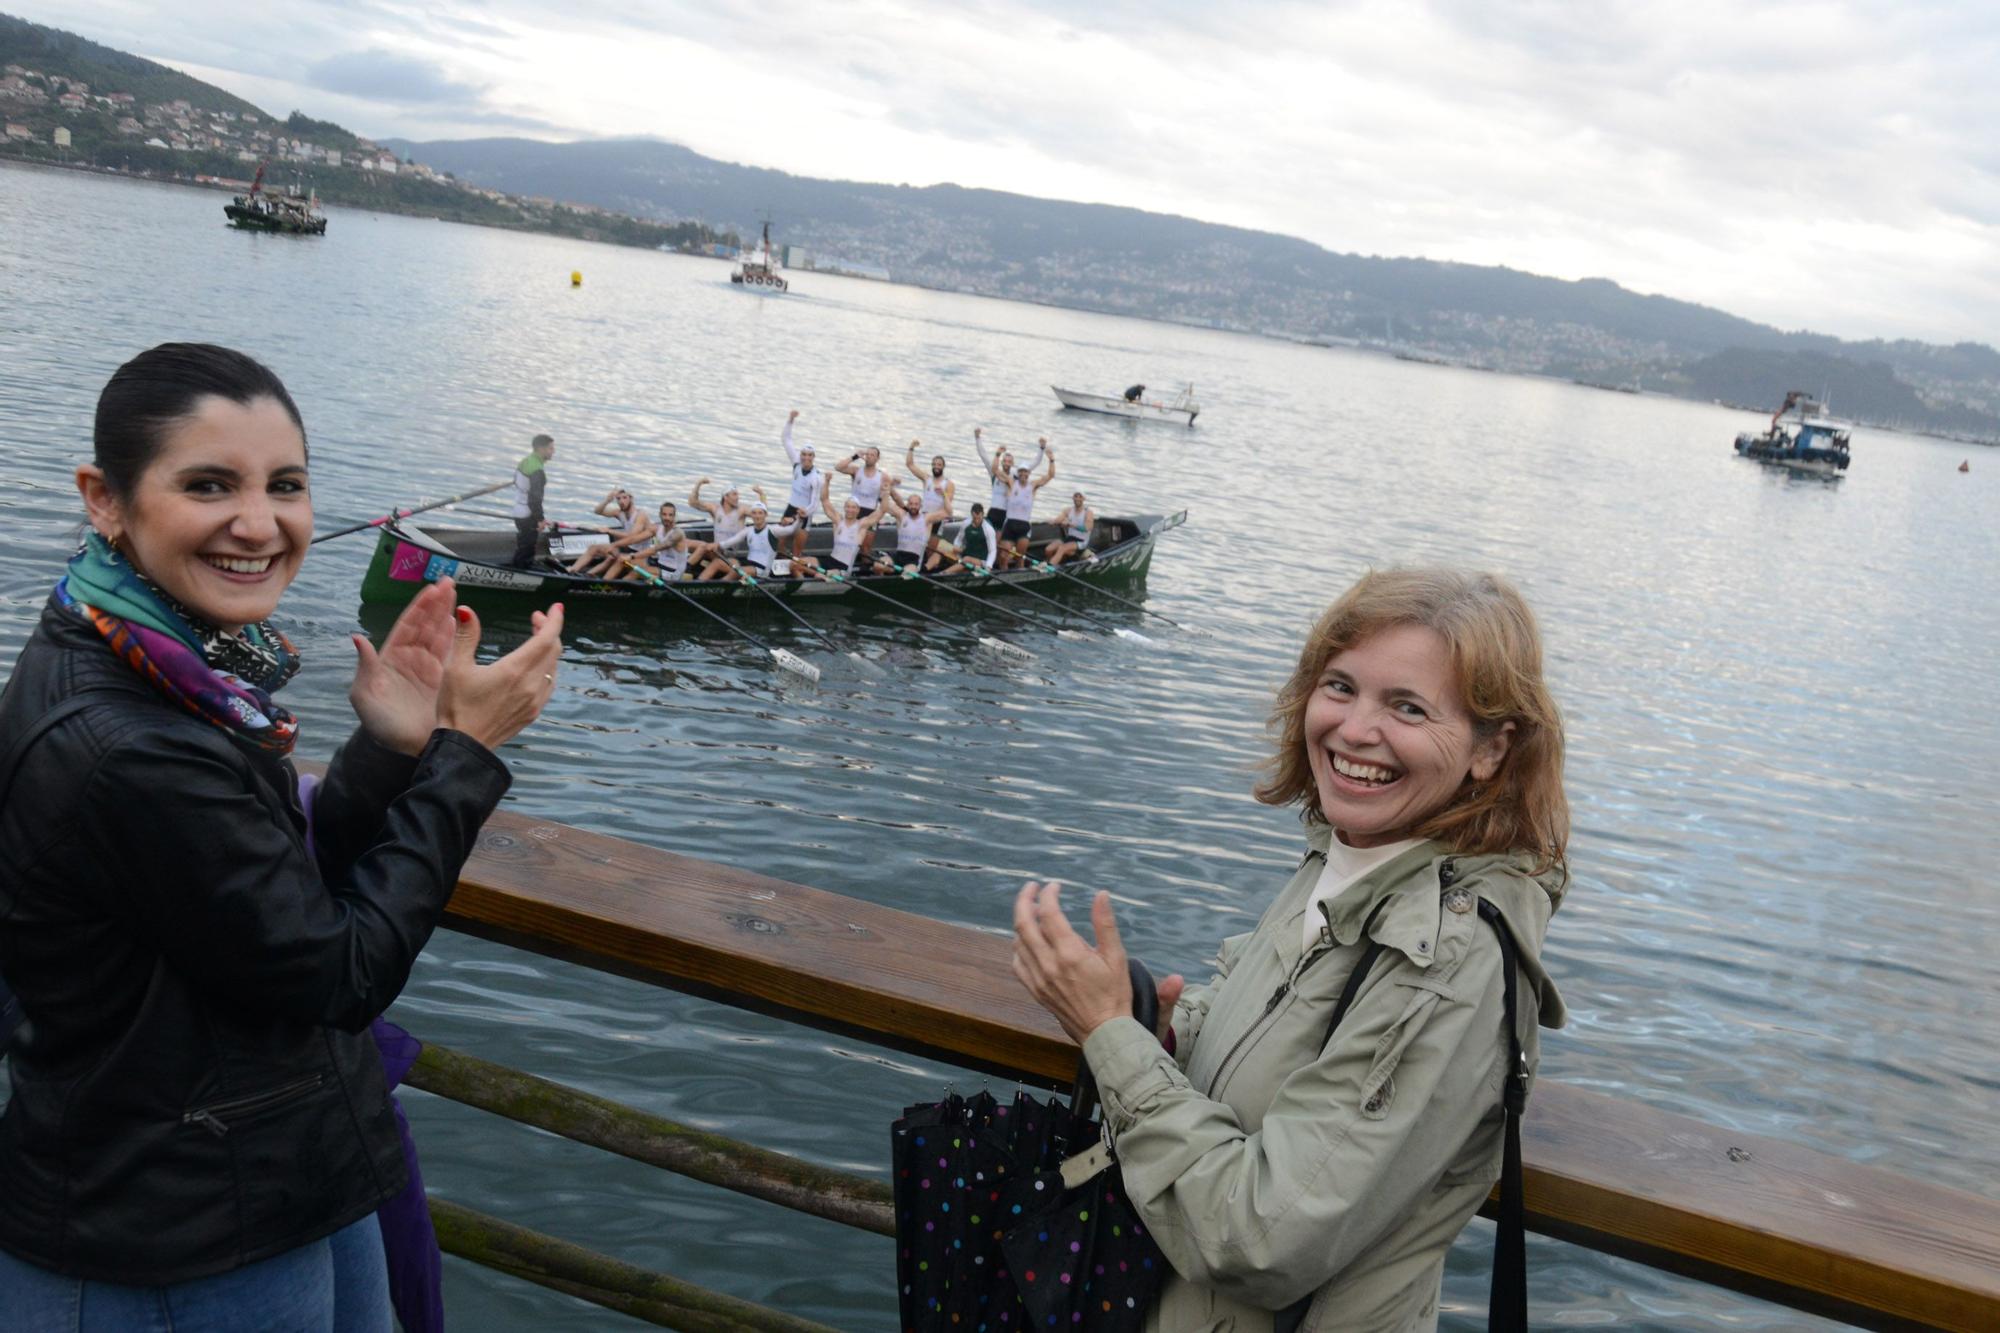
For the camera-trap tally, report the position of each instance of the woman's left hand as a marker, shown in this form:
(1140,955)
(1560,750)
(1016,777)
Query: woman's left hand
(396,687)
(1084,987)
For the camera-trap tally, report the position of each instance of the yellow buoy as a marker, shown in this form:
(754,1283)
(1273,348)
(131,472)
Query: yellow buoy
(576,278)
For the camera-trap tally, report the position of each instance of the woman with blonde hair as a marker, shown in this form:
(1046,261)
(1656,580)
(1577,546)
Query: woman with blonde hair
(1323,1117)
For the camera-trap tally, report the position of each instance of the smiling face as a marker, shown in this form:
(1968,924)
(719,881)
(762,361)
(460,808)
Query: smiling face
(937,466)
(1389,740)
(667,515)
(221,516)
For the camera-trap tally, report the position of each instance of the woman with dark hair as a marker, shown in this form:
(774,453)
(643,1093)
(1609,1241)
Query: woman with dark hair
(199,1131)
(1299,1172)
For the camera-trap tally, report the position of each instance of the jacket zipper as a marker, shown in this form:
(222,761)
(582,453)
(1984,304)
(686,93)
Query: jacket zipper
(1285,987)
(211,1119)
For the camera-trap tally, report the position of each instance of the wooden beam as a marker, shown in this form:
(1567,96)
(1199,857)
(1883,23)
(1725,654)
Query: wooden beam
(1803,1228)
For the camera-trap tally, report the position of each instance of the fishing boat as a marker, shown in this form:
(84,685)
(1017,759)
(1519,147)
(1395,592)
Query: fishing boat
(288,214)
(759,267)
(1133,403)
(408,556)
(1801,438)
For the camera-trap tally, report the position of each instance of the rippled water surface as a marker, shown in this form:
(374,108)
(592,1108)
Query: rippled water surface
(1781,696)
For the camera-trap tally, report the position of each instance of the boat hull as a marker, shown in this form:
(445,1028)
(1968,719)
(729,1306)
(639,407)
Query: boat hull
(1118,407)
(254,219)
(407,558)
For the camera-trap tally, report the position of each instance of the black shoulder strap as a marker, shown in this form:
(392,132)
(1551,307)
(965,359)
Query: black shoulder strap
(1507,1306)
(10,1008)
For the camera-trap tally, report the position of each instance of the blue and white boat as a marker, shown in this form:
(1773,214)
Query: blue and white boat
(1801,438)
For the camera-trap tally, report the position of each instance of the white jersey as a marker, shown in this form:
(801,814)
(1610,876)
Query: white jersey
(671,561)
(912,534)
(805,483)
(1020,500)
(728,522)
(867,490)
(933,494)
(846,540)
(757,542)
(628,519)
(1076,525)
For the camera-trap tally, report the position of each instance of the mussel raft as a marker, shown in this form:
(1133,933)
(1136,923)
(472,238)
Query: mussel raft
(408,556)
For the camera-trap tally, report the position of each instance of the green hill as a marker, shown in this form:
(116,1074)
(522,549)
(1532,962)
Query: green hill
(53,51)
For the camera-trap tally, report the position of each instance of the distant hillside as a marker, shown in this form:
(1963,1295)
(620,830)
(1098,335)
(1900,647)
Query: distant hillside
(1159,266)
(53,51)
(1862,390)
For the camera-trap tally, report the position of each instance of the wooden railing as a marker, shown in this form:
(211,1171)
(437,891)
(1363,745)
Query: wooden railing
(1754,1214)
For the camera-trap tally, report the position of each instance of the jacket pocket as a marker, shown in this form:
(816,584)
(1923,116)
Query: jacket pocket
(1378,1090)
(218,1118)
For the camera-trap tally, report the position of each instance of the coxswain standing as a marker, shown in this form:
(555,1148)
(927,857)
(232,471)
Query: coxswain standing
(1077,523)
(1021,509)
(756,541)
(865,467)
(531,478)
(850,528)
(633,528)
(728,519)
(807,486)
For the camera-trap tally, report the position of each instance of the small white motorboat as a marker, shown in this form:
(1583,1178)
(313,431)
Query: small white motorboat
(1134,403)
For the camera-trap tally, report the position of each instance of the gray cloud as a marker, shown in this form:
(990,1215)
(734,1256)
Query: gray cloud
(387,77)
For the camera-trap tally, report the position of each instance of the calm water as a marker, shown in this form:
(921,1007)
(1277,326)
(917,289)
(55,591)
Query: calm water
(1780,696)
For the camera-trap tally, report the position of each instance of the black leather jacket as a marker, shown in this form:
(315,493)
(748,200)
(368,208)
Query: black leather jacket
(194,1088)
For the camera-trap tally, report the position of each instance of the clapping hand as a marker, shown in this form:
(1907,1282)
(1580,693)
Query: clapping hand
(1085,987)
(395,688)
(492,703)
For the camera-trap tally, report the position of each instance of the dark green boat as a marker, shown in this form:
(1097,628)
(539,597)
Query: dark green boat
(408,556)
(287,214)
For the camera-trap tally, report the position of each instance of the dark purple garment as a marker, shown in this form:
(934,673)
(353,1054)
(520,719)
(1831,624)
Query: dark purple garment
(416,1271)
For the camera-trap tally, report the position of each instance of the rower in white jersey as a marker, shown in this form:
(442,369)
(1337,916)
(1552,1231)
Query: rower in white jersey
(865,466)
(757,542)
(728,519)
(850,527)
(914,529)
(1077,522)
(807,486)
(938,492)
(664,554)
(1001,470)
(631,527)
(1021,509)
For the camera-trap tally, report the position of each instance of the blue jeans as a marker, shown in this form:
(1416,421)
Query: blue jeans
(336,1285)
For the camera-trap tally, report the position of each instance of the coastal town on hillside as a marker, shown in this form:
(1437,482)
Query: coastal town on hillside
(67,121)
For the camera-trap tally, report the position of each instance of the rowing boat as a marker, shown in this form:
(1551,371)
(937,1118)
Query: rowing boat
(408,556)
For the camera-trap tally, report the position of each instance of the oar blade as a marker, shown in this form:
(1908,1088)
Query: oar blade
(1132,634)
(1004,648)
(868,668)
(791,661)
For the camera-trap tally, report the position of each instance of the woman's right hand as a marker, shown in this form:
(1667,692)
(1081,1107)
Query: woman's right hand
(493,703)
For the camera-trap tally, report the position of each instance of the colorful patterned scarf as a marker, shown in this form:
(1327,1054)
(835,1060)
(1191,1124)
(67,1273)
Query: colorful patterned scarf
(193,664)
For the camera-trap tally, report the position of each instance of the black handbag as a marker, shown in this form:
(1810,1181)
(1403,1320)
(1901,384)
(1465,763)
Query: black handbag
(1507,1304)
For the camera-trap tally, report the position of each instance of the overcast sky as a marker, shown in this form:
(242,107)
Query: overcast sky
(1832,166)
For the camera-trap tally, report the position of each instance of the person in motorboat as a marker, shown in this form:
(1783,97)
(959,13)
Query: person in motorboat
(939,491)
(1077,522)
(199,1132)
(914,529)
(850,531)
(807,486)
(756,541)
(978,544)
(1133,393)
(1283,1167)
(632,528)
(1001,470)
(1021,509)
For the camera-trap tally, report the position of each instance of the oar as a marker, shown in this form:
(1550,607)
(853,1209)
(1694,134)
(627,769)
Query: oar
(805,624)
(790,661)
(913,573)
(1084,616)
(405,513)
(983,640)
(1048,568)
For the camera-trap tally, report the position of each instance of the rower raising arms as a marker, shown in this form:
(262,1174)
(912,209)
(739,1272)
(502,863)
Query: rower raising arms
(1077,524)
(1000,469)
(938,492)
(849,529)
(978,544)
(756,541)
(1021,508)
(728,518)
(865,467)
(806,485)
(633,527)
(914,530)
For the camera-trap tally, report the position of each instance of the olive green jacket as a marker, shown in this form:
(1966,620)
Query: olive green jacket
(1268,1170)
